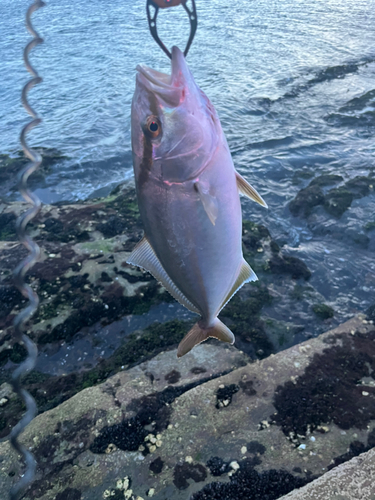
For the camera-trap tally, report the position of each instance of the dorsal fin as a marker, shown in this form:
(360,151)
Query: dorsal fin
(246,189)
(245,275)
(144,256)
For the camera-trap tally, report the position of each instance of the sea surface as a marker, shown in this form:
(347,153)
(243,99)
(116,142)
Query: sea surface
(280,74)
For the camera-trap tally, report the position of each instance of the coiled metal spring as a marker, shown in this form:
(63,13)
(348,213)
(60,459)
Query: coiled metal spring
(24,267)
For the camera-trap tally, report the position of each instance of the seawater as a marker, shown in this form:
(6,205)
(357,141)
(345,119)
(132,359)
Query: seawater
(280,74)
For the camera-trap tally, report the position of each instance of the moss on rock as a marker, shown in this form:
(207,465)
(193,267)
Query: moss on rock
(337,201)
(306,200)
(323,311)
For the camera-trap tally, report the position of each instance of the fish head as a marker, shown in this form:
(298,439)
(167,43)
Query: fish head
(175,128)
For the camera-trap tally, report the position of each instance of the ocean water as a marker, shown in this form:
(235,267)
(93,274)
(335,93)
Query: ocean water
(280,74)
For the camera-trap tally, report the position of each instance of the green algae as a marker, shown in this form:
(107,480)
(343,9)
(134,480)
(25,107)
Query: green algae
(370,226)
(98,246)
(323,311)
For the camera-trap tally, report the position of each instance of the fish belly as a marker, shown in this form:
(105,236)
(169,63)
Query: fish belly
(203,259)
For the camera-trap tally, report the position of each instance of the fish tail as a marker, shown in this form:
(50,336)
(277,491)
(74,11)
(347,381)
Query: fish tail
(199,333)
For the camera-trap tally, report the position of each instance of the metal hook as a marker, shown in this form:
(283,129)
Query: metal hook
(152,24)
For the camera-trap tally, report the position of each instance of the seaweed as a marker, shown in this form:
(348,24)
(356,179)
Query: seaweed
(330,390)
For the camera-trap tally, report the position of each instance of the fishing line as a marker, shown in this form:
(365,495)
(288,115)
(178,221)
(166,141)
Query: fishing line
(21,270)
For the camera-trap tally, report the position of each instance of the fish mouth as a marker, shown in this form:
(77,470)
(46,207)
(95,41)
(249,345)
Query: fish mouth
(168,87)
(154,77)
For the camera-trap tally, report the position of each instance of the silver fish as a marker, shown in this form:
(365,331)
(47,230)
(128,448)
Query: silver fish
(188,196)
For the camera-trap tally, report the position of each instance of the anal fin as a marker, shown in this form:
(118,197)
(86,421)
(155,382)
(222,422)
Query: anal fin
(144,256)
(245,275)
(247,189)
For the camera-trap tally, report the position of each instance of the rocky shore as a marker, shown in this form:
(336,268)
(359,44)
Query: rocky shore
(134,422)
(213,425)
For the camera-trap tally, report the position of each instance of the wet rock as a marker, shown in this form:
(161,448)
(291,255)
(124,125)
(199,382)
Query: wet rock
(371,313)
(81,278)
(224,395)
(10,166)
(217,466)
(286,264)
(319,385)
(187,471)
(350,481)
(337,201)
(156,466)
(323,311)
(50,391)
(114,226)
(306,200)
(360,186)
(69,494)
(326,180)
(248,483)
(247,325)
(8,227)
(300,175)
(337,373)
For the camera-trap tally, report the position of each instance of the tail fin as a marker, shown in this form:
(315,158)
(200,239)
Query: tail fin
(199,334)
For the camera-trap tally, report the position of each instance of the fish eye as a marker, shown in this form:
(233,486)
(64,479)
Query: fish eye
(152,127)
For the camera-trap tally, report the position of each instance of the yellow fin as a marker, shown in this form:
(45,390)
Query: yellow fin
(200,333)
(246,189)
(245,275)
(144,256)
(209,202)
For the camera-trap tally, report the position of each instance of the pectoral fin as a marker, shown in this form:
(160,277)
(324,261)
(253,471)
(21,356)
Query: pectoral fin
(247,190)
(200,333)
(144,256)
(209,202)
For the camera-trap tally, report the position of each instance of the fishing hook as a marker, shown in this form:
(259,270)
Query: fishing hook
(25,266)
(192,13)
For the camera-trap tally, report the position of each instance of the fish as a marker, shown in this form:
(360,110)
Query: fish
(188,197)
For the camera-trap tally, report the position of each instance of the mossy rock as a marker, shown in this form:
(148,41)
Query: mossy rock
(11,166)
(323,311)
(360,186)
(286,264)
(337,201)
(326,180)
(299,292)
(247,325)
(50,391)
(8,227)
(306,200)
(300,175)
(371,313)
(370,226)
(126,205)
(254,236)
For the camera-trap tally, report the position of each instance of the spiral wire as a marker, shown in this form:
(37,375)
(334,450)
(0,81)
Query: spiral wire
(25,266)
